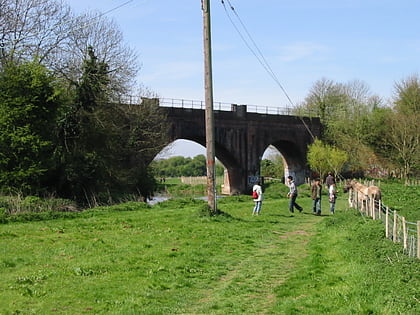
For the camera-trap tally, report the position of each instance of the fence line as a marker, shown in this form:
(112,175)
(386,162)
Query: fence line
(397,228)
(196,180)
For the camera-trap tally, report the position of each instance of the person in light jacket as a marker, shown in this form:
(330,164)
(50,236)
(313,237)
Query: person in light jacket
(258,201)
(292,195)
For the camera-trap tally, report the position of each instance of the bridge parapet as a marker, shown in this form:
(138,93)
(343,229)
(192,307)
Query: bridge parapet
(241,109)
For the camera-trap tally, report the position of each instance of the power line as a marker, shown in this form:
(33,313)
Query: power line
(259,55)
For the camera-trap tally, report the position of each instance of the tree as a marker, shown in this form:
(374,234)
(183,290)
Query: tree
(29,101)
(404,138)
(403,133)
(345,111)
(50,32)
(338,159)
(33,29)
(323,158)
(318,157)
(325,98)
(96,30)
(407,95)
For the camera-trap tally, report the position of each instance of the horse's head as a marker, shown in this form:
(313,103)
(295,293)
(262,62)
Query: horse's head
(350,184)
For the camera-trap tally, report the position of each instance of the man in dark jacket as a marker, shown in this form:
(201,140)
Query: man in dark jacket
(329,180)
(316,196)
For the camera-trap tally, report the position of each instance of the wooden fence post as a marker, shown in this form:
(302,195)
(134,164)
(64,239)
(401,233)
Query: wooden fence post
(394,230)
(373,209)
(379,209)
(404,228)
(386,222)
(418,239)
(357,200)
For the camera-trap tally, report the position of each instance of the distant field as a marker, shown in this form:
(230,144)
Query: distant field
(169,259)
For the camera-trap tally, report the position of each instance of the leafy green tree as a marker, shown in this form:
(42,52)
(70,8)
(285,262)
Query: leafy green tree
(323,158)
(346,113)
(29,101)
(318,157)
(338,158)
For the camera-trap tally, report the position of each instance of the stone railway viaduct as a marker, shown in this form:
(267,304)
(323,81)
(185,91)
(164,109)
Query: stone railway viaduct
(241,138)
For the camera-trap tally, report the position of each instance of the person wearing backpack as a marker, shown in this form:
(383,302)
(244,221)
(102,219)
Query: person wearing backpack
(257,195)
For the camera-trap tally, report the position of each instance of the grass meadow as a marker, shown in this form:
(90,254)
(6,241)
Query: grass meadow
(171,259)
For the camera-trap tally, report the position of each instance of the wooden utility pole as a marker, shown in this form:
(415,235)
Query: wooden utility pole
(208,86)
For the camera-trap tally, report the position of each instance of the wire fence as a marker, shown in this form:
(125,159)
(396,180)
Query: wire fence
(397,228)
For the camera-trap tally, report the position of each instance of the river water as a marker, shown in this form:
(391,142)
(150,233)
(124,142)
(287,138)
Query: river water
(160,198)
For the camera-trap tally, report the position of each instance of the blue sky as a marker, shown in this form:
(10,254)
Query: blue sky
(375,41)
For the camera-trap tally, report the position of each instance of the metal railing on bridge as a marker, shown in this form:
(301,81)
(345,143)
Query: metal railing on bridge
(217,106)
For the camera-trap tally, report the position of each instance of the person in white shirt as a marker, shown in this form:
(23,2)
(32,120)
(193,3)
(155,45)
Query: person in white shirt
(258,201)
(332,193)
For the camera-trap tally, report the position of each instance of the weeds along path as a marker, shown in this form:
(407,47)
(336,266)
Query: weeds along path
(248,285)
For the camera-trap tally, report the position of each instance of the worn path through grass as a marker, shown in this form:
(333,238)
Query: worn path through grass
(249,286)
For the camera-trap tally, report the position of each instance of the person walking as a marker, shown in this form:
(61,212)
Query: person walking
(258,198)
(292,194)
(332,193)
(316,196)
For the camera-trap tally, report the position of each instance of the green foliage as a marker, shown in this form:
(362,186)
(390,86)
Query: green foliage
(374,135)
(323,157)
(28,106)
(105,148)
(93,85)
(184,166)
(272,168)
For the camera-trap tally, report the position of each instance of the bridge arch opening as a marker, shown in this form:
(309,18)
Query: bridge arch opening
(294,160)
(181,147)
(189,149)
(272,164)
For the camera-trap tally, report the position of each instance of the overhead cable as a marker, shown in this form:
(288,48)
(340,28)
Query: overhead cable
(258,54)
